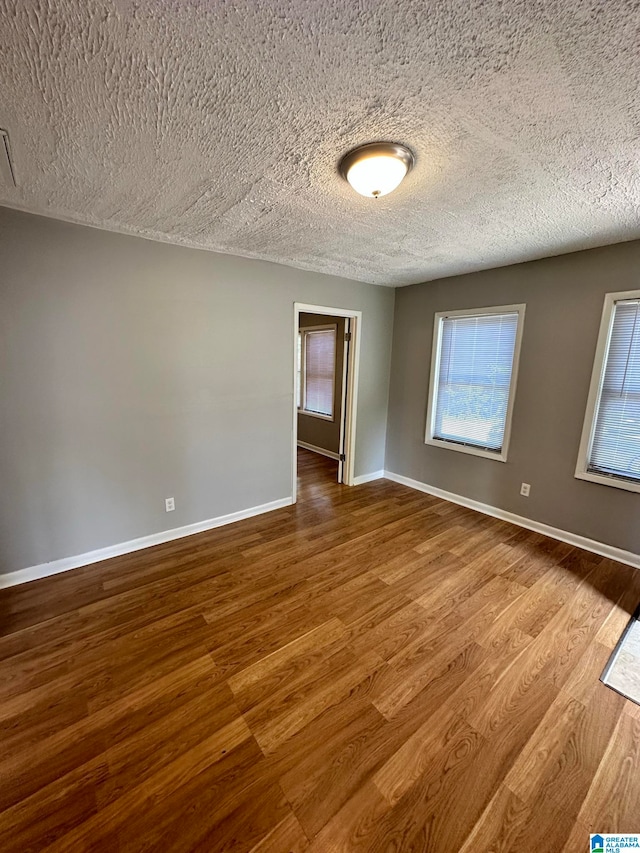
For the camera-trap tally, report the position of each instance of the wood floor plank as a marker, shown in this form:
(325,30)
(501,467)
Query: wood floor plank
(543,600)
(544,747)
(159,787)
(327,775)
(500,824)
(23,772)
(241,829)
(288,836)
(260,680)
(277,719)
(532,556)
(621,613)
(578,839)
(185,817)
(394,828)
(511,826)
(411,668)
(372,669)
(410,762)
(613,801)
(351,827)
(584,679)
(465,789)
(568,777)
(143,754)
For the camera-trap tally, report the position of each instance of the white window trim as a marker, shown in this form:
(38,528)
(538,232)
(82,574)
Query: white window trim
(327,327)
(435,370)
(595,391)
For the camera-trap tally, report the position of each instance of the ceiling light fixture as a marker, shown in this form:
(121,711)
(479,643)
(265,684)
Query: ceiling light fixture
(376,169)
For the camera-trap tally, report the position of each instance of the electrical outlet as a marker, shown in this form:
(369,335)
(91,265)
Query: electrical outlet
(525,488)
(170,504)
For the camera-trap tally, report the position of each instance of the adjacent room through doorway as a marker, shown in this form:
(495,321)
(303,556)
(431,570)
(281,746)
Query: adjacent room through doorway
(325,368)
(316,474)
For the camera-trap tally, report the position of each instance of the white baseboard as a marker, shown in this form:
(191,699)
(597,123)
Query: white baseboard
(330,453)
(600,548)
(367,478)
(66,563)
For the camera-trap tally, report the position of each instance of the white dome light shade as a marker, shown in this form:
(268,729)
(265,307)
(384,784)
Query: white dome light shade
(376,169)
(376,175)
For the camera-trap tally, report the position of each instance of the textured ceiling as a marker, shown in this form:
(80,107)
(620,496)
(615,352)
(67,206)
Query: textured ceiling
(220,125)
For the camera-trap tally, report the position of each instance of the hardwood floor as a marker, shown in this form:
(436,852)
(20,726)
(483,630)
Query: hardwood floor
(371,670)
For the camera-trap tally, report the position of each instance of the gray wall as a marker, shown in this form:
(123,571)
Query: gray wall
(318,431)
(131,371)
(564,298)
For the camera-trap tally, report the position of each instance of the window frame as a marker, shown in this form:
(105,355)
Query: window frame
(595,394)
(302,330)
(439,317)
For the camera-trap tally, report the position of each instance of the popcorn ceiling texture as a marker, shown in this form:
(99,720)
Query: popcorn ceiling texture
(220,125)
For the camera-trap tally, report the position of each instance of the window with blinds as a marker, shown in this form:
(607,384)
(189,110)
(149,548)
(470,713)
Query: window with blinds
(317,363)
(611,451)
(472,380)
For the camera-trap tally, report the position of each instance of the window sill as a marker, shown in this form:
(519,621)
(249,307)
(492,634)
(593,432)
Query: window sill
(316,415)
(464,448)
(626,485)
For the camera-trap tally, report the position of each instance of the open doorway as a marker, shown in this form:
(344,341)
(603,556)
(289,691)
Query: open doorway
(326,355)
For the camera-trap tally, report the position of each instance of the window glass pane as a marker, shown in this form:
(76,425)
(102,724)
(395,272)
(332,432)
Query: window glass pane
(474,379)
(319,363)
(615,448)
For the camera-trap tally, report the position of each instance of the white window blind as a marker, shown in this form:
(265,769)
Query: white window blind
(319,371)
(476,356)
(615,447)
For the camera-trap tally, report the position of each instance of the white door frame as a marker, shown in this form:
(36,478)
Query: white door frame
(351,400)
